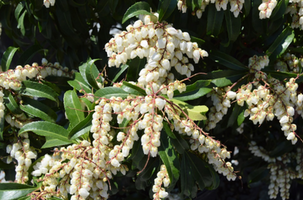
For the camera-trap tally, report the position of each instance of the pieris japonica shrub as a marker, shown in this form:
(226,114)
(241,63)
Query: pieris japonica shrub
(151,99)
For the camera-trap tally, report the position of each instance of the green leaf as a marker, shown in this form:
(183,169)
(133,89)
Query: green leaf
(168,131)
(34,89)
(193,112)
(81,128)
(7,58)
(227,60)
(240,118)
(139,8)
(247,6)
(132,89)
(214,20)
(55,135)
(29,53)
(135,65)
(233,26)
(9,191)
(21,23)
(165,9)
(38,109)
(199,41)
(180,143)
(144,177)
(186,177)
(109,92)
(202,172)
(221,82)
(72,106)
(18,10)
(281,43)
(79,83)
(123,68)
(11,104)
(234,115)
(1,128)
(192,92)
(170,159)
(90,73)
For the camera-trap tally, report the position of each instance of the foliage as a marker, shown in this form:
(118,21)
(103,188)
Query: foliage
(130,110)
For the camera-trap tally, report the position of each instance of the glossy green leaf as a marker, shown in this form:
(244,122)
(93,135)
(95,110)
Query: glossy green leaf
(165,9)
(92,74)
(80,84)
(227,60)
(135,65)
(81,128)
(34,89)
(170,159)
(109,92)
(122,69)
(202,172)
(180,143)
(186,177)
(21,22)
(1,128)
(240,118)
(38,109)
(247,6)
(139,8)
(11,104)
(233,26)
(18,10)
(281,43)
(144,177)
(193,112)
(194,91)
(132,89)
(257,23)
(168,131)
(72,106)
(221,82)
(10,191)
(55,135)
(7,58)
(214,20)
(233,118)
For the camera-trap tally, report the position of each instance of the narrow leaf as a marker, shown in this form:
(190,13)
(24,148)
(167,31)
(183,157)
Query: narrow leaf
(9,191)
(7,58)
(123,68)
(166,7)
(227,60)
(72,106)
(233,26)
(81,128)
(132,89)
(34,89)
(11,104)
(79,83)
(214,20)
(29,53)
(139,8)
(55,134)
(109,92)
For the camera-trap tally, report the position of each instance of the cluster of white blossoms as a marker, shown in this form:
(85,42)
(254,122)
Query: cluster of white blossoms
(295,9)
(235,6)
(23,153)
(162,178)
(83,170)
(266,8)
(266,98)
(221,105)
(281,173)
(48,3)
(289,63)
(163,46)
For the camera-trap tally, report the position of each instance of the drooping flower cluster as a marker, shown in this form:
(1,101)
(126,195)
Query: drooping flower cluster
(266,98)
(83,169)
(23,153)
(266,8)
(281,173)
(118,123)
(289,63)
(295,9)
(235,6)
(48,3)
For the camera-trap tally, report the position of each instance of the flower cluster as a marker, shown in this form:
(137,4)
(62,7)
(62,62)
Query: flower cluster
(163,46)
(266,8)
(23,153)
(235,6)
(48,3)
(83,169)
(281,173)
(162,178)
(295,9)
(289,63)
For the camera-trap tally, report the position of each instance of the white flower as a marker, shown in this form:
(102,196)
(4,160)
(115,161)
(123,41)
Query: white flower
(83,193)
(284,119)
(160,103)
